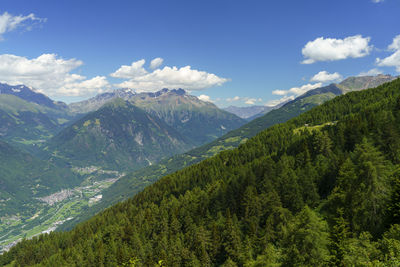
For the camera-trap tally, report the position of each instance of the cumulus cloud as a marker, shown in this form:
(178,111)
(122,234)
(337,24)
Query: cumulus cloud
(303,89)
(329,49)
(279,92)
(234,99)
(394,59)
(136,69)
(297,90)
(275,102)
(291,94)
(50,75)
(96,85)
(167,77)
(205,98)
(324,76)
(246,100)
(250,101)
(10,23)
(155,63)
(371,72)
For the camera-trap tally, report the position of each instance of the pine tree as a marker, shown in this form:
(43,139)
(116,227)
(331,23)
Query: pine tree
(307,244)
(339,234)
(373,192)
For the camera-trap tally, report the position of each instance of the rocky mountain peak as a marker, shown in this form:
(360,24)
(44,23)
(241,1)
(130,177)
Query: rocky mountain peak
(29,94)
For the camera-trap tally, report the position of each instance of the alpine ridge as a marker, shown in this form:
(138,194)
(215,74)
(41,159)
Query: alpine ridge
(117,136)
(199,121)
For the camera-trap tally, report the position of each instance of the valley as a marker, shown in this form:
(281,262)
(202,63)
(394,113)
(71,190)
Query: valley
(54,210)
(295,185)
(117,135)
(199,133)
(56,162)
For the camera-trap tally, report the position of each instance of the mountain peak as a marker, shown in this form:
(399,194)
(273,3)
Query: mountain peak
(166,91)
(29,94)
(357,83)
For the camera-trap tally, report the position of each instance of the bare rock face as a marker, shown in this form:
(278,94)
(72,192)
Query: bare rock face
(364,82)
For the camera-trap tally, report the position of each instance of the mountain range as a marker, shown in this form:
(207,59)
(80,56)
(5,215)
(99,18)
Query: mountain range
(248,112)
(136,181)
(118,136)
(321,189)
(350,84)
(27,124)
(199,121)
(30,95)
(50,151)
(124,131)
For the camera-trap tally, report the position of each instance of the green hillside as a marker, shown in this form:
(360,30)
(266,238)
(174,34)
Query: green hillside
(26,124)
(321,189)
(118,136)
(200,121)
(24,178)
(136,181)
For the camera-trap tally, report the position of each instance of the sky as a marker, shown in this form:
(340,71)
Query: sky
(228,52)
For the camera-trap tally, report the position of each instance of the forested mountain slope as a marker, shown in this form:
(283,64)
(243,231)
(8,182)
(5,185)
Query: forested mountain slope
(28,123)
(321,189)
(133,183)
(118,136)
(199,121)
(24,178)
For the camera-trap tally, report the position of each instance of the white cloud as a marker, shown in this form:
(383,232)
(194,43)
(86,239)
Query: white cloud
(205,98)
(324,76)
(234,99)
(246,100)
(291,94)
(55,77)
(371,72)
(395,45)
(275,102)
(377,1)
(390,61)
(251,101)
(10,23)
(136,69)
(155,63)
(167,77)
(297,90)
(279,92)
(96,85)
(394,59)
(305,88)
(329,49)
(49,74)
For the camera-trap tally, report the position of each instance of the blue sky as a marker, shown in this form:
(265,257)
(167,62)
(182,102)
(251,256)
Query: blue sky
(229,52)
